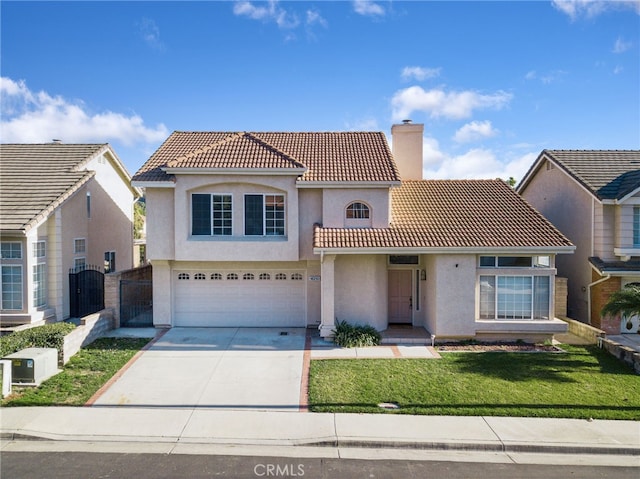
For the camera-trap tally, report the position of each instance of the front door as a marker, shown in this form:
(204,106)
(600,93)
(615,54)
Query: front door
(400,299)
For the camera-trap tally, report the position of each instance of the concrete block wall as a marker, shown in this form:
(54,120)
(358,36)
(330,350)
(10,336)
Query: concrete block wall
(91,328)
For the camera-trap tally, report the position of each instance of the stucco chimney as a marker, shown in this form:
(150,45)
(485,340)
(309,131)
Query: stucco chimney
(407,149)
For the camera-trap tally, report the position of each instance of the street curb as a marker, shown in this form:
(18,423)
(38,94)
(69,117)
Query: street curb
(351,443)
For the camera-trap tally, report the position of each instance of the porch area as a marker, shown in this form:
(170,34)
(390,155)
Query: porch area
(406,334)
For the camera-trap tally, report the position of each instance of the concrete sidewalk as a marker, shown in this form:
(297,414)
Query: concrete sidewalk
(167,425)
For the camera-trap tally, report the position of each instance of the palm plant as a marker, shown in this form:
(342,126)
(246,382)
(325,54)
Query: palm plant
(625,302)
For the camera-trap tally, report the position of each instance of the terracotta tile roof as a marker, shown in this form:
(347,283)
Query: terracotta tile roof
(607,174)
(325,156)
(36,178)
(452,214)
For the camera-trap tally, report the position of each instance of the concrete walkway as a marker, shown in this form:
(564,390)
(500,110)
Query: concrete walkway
(167,428)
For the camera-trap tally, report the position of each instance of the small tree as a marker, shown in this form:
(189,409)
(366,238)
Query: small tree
(625,302)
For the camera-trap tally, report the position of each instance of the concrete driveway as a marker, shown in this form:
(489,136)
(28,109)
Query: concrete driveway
(230,368)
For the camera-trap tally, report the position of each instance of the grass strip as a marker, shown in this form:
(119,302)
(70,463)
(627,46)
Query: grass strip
(583,382)
(82,376)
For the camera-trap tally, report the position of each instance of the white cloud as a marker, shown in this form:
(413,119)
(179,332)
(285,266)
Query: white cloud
(477,163)
(29,117)
(419,73)
(546,78)
(314,18)
(150,33)
(448,104)
(621,46)
(476,130)
(269,12)
(368,8)
(592,8)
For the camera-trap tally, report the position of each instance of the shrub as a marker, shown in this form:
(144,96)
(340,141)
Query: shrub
(46,336)
(353,336)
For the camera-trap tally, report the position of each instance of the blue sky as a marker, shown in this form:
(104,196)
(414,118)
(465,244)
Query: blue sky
(494,83)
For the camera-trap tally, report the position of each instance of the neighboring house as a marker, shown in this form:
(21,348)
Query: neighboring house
(301,229)
(593,197)
(62,206)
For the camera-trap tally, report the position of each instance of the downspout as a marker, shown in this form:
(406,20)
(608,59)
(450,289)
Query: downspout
(589,286)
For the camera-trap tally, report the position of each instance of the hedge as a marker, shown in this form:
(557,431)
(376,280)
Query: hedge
(46,336)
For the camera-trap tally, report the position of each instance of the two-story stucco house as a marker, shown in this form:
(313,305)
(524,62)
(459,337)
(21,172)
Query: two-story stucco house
(301,229)
(593,197)
(62,206)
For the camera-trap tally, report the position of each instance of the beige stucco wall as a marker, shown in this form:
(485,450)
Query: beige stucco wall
(451,296)
(310,213)
(571,209)
(335,202)
(238,247)
(108,228)
(160,224)
(361,289)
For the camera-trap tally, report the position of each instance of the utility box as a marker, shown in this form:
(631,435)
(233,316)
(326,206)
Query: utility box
(5,377)
(32,366)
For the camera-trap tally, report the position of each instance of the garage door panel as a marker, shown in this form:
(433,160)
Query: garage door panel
(242,302)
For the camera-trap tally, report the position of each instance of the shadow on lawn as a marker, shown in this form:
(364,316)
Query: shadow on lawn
(554,367)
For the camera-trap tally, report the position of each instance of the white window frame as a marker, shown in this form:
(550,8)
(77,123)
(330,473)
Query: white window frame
(19,291)
(495,305)
(212,230)
(39,249)
(39,281)
(265,227)
(12,251)
(76,243)
(79,263)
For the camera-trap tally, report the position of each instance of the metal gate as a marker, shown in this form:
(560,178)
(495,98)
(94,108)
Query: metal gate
(86,291)
(136,303)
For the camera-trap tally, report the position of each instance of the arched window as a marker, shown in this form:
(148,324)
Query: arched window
(281,276)
(216,276)
(232,276)
(296,277)
(199,276)
(265,276)
(183,276)
(248,276)
(357,211)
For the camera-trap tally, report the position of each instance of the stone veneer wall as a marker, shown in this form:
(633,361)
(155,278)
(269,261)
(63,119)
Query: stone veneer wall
(623,353)
(560,297)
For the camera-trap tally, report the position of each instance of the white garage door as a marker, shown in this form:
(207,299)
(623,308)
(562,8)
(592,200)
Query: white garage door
(239,298)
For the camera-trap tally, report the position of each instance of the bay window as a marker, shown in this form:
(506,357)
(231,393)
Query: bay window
(514,297)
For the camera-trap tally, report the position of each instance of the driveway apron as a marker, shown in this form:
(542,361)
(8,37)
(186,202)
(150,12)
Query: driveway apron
(227,368)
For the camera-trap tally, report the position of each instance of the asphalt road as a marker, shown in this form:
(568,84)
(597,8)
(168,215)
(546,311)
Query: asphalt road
(72,465)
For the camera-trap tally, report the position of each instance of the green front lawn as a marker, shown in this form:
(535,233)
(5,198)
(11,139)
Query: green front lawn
(584,382)
(82,376)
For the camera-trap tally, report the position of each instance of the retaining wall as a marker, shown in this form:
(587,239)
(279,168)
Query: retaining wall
(584,330)
(623,353)
(91,328)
